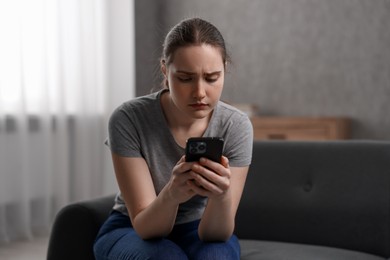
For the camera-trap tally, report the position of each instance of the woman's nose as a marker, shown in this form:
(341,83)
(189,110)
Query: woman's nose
(199,91)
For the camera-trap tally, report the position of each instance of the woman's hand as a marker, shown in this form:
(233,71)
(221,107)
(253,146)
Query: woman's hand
(209,178)
(177,187)
(206,178)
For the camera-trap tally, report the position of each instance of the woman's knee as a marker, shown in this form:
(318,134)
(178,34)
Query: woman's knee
(225,250)
(216,251)
(130,246)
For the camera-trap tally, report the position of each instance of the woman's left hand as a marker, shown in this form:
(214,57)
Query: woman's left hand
(210,179)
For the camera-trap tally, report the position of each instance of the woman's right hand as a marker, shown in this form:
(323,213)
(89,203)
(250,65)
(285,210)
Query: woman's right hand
(177,187)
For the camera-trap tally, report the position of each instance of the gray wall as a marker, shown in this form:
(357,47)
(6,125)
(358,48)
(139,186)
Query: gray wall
(291,57)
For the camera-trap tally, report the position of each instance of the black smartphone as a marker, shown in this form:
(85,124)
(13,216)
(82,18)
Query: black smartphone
(208,147)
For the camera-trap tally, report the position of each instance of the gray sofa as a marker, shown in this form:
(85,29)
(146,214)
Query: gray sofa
(302,200)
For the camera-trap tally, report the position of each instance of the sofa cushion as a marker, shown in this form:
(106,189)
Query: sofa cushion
(257,250)
(333,194)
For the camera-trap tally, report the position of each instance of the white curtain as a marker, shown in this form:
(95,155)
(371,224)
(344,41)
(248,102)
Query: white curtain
(53,110)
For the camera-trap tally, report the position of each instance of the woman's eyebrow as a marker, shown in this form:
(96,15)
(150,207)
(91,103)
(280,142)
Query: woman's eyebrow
(185,72)
(213,73)
(193,73)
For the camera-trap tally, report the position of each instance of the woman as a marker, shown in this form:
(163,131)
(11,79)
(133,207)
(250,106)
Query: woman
(168,208)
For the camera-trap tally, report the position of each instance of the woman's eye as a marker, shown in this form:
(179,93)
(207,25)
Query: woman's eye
(184,79)
(211,79)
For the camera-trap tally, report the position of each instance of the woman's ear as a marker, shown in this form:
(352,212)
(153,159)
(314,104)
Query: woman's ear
(164,71)
(163,67)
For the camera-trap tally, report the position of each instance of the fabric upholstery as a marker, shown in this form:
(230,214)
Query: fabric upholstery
(334,194)
(302,200)
(257,250)
(76,227)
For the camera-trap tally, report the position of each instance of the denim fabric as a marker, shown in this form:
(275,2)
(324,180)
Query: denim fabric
(118,240)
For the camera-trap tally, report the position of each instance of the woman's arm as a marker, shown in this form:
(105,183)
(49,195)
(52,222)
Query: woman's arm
(223,185)
(152,216)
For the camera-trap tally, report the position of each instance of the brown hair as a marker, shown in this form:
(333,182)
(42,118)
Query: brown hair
(193,31)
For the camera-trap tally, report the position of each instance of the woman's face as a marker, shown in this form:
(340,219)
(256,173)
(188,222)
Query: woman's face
(195,79)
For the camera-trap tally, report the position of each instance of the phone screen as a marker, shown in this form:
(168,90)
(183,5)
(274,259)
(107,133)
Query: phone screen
(208,147)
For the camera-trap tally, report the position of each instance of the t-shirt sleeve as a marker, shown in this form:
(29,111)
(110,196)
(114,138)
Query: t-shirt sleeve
(240,142)
(123,137)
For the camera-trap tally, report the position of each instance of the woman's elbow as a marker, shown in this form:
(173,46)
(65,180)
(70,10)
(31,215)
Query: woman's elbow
(149,234)
(146,232)
(215,237)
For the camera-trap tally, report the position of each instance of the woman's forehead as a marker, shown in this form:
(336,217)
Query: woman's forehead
(195,57)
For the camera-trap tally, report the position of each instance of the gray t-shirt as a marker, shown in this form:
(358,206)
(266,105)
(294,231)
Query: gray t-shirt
(138,128)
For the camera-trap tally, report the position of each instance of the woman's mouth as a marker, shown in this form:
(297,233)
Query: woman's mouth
(199,106)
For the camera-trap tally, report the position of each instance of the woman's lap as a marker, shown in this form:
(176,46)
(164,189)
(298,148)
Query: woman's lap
(126,244)
(118,240)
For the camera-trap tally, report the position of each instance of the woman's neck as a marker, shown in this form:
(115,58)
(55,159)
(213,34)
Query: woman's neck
(181,126)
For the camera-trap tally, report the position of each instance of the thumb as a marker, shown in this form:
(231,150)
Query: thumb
(182,159)
(225,162)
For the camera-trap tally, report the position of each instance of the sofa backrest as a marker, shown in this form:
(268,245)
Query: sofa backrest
(333,193)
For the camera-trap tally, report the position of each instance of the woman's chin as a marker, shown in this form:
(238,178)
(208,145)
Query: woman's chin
(200,114)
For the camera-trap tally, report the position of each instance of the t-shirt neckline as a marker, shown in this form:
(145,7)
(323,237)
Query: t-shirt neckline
(164,123)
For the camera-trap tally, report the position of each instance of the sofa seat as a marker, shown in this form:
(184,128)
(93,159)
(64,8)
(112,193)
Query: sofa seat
(334,194)
(267,250)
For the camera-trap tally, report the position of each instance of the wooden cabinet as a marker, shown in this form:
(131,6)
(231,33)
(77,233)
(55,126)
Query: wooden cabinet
(300,128)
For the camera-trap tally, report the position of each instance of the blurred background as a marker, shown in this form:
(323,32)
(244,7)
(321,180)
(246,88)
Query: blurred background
(290,57)
(66,64)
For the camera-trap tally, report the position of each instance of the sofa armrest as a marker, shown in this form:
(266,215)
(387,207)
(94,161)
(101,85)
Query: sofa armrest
(76,226)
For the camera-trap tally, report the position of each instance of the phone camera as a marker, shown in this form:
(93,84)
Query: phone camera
(198,148)
(202,147)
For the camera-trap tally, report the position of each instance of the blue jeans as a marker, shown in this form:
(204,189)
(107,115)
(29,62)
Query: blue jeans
(118,240)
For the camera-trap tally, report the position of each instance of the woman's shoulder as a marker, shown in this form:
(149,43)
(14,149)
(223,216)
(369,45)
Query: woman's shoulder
(140,101)
(141,104)
(226,110)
